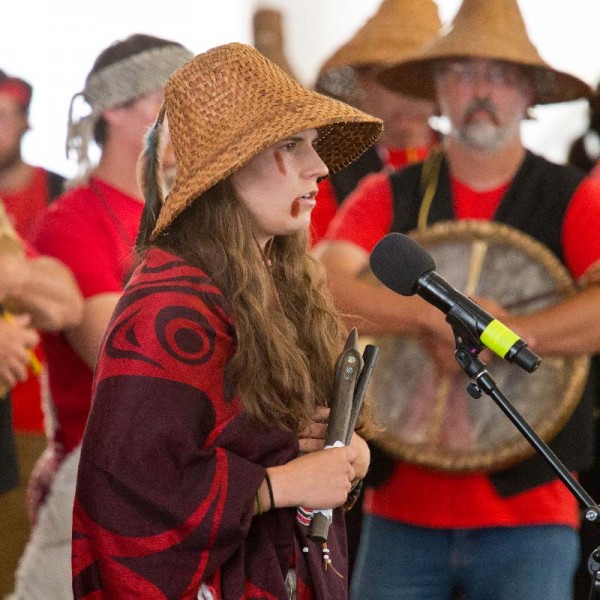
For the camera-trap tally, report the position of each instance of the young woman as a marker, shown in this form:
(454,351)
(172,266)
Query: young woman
(211,392)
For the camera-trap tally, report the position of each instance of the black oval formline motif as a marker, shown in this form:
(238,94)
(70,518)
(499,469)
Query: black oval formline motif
(132,302)
(199,336)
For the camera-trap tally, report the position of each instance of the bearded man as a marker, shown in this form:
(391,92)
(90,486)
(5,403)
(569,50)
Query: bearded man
(510,534)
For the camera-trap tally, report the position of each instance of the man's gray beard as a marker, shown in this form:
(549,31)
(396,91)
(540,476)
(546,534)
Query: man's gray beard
(487,137)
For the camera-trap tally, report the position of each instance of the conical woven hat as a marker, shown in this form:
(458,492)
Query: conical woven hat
(492,29)
(268,37)
(228,104)
(396,32)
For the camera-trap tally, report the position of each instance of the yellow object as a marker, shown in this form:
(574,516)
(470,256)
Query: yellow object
(499,338)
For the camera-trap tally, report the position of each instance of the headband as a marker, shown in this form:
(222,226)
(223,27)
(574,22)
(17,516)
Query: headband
(18,90)
(117,84)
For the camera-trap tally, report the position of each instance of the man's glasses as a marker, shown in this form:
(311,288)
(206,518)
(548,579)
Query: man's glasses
(466,73)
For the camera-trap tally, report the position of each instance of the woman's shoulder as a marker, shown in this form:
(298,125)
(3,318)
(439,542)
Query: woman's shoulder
(170,278)
(169,317)
(162,266)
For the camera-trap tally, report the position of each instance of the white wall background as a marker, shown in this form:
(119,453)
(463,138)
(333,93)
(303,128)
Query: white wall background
(53,45)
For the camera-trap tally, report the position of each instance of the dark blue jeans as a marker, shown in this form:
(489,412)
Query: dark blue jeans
(400,562)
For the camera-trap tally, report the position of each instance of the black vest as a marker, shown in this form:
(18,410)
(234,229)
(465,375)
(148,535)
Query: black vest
(55,184)
(535,203)
(345,181)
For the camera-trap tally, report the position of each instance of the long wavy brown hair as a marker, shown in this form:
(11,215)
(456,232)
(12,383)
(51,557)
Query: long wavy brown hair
(288,332)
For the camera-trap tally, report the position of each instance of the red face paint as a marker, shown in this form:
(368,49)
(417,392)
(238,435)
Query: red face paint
(295,210)
(279,161)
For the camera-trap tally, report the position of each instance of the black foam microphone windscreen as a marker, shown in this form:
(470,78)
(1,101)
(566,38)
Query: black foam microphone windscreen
(398,262)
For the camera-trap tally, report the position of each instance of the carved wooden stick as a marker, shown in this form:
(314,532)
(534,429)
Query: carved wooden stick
(353,372)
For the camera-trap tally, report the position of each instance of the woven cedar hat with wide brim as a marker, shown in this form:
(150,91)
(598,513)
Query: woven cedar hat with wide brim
(226,105)
(396,32)
(485,29)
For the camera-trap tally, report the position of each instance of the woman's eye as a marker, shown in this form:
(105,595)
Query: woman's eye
(289,146)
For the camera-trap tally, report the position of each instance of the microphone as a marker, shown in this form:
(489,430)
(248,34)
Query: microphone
(407,268)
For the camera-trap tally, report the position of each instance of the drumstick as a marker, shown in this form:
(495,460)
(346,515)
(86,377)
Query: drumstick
(479,251)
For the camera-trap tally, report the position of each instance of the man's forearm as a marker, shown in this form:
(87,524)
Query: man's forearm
(42,287)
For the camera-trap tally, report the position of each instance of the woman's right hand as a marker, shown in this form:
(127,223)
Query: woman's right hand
(319,479)
(312,437)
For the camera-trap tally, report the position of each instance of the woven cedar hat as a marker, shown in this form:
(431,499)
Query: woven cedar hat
(267,24)
(485,29)
(228,104)
(396,32)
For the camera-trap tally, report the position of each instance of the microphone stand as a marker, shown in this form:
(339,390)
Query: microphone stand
(467,356)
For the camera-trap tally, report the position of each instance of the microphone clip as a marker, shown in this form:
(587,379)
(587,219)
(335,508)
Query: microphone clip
(467,357)
(464,326)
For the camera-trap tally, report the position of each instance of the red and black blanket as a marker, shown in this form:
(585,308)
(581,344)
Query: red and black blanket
(170,466)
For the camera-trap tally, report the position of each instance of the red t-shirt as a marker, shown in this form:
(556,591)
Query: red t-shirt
(327,205)
(27,415)
(92,230)
(595,172)
(25,208)
(429,498)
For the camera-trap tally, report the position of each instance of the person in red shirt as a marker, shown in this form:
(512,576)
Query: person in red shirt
(26,191)
(584,153)
(35,292)
(92,229)
(397,31)
(508,535)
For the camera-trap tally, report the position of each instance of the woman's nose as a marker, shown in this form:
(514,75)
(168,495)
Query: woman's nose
(317,167)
